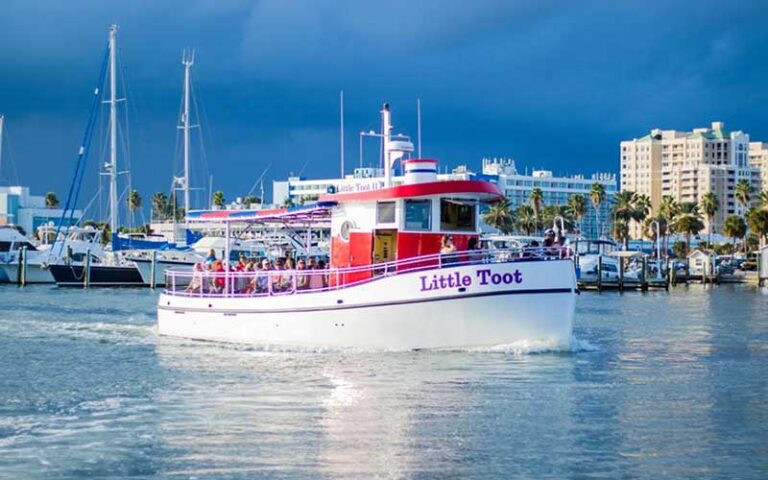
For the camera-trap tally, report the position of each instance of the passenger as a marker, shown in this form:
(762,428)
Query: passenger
(289,263)
(219,278)
(262,282)
(474,253)
(447,250)
(211,257)
(549,238)
(302,279)
(317,280)
(196,284)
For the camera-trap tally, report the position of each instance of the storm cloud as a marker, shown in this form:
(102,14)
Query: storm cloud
(552,84)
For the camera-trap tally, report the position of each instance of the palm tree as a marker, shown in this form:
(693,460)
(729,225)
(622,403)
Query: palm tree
(537,202)
(499,216)
(551,214)
(51,201)
(642,207)
(597,195)
(134,201)
(218,199)
(688,221)
(649,227)
(623,205)
(709,205)
(288,203)
(757,219)
(159,206)
(250,200)
(577,206)
(734,227)
(667,211)
(624,211)
(762,199)
(621,230)
(742,192)
(526,219)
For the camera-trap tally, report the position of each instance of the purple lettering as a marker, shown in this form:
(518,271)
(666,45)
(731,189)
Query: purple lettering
(518,276)
(496,278)
(466,280)
(483,274)
(507,278)
(424,287)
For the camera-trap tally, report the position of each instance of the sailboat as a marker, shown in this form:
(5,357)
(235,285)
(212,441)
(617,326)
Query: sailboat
(113,270)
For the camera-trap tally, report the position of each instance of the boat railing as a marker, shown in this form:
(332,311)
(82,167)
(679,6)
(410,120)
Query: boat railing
(202,282)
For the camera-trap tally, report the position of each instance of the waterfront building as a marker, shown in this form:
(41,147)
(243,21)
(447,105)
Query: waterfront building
(515,185)
(758,157)
(19,207)
(687,165)
(556,189)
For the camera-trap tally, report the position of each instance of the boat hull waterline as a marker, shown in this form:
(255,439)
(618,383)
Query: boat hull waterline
(454,307)
(100,276)
(35,273)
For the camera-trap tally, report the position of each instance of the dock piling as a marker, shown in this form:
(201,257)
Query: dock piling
(87,269)
(22,270)
(599,273)
(152,268)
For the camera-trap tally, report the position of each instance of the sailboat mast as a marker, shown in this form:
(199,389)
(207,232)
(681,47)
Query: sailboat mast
(113,130)
(188,61)
(2,119)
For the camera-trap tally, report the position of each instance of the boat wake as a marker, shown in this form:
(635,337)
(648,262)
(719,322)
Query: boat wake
(523,347)
(533,347)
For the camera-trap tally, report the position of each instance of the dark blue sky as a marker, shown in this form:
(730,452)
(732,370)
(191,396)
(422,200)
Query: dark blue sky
(552,84)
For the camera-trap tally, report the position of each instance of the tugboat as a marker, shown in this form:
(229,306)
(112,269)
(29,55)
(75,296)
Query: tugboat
(393,281)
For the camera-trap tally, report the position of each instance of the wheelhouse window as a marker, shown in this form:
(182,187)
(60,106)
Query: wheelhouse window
(385,212)
(458,215)
(418,215)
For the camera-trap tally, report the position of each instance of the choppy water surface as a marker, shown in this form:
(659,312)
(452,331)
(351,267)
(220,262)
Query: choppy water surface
(655,386)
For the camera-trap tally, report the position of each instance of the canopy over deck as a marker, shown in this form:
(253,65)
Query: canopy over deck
(483,191)
(299,215)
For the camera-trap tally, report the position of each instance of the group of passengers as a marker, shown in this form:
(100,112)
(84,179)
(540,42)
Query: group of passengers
(280,275)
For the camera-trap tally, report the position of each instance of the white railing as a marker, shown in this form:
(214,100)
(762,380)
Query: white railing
(199,282)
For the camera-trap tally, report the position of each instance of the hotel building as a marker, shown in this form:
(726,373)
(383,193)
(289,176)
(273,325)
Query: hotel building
(687,165)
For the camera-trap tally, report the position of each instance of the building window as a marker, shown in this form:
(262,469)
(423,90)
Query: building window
(385,212)
(457,215)
(418,214)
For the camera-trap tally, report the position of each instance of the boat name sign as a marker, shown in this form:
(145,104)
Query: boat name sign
(457,279)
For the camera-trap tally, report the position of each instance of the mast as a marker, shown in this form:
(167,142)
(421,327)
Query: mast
(341,130)
(187,61)
(113,132)
(2,119)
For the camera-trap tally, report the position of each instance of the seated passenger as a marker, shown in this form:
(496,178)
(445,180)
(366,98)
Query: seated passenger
(302,279)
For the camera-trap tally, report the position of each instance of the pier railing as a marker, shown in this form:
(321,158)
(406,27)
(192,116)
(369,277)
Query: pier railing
(201,282)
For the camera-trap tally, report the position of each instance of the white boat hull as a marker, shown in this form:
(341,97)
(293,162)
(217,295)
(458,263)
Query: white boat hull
(395,312)
(35,273)
(145,269)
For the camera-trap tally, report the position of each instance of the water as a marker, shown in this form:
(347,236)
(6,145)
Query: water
(654,386)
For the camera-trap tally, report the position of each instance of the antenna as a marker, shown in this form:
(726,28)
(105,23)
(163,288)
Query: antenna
(341,130)
(418,124)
